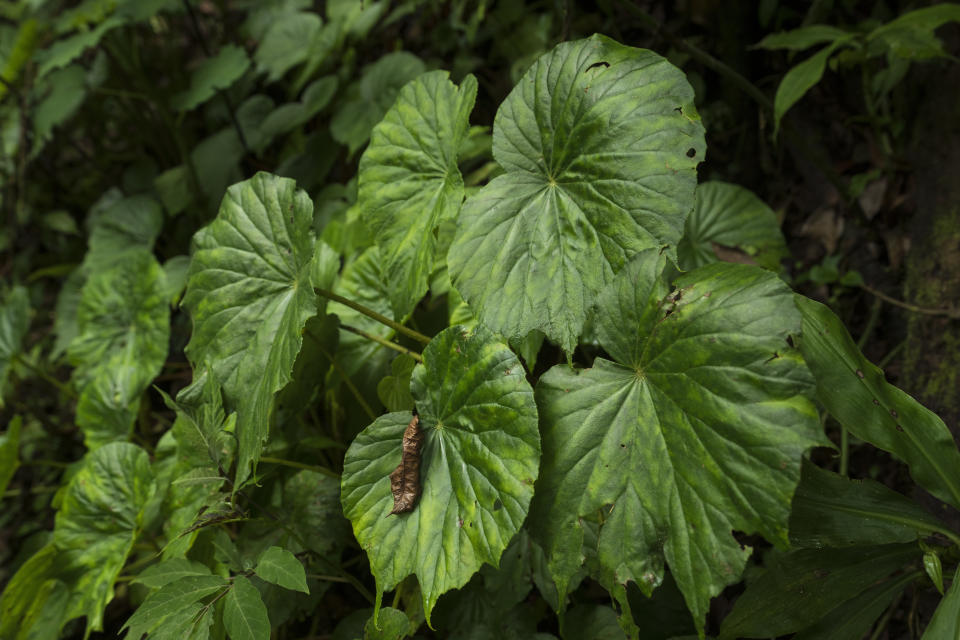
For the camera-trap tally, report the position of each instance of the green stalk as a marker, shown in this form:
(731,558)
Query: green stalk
(383,341)
(370,313)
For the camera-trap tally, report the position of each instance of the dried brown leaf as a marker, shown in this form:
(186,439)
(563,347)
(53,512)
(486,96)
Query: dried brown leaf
(405,479)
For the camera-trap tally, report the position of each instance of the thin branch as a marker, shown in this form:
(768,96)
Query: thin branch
(300,465)
(949,313)
(370,313)
(387,343)
(65,389)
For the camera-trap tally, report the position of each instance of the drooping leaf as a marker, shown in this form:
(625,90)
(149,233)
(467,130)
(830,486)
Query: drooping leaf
(405,479)
(696,430)
(409,181)
(855,392)
(802,38)
(286,43)
(9,452)
(212,74)
(911,36)
(833,511)
(282,568)
(946,619)
(600,144)
(14,322)
(59,96)
(244,614)
(797,589)
(367,100)
(123,323)
(163,605)
(479,460)
(798,80)
(251,270)
(732,217)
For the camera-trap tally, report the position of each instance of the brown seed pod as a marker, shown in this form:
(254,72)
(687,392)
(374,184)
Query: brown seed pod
(405,479)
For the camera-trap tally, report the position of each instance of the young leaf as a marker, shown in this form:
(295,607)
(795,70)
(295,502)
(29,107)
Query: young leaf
(367,100)
(946,619)
(410,182)
(832,511)
(802,38)
(799,588)
(244,613)
(218,72)
(600,144)
(251,270)
(479,460)
(732,217)
(282,568)
(800,78)
(162,605)
(911,36)
(695,431)
(855,392)
(14,322)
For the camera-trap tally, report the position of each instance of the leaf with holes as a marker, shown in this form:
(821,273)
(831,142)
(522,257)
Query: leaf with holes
(695,429)
(479,460)
(600,144)
(250,295)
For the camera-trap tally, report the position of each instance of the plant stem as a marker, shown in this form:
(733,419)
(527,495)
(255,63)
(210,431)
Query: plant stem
(953,313)
(370,313)
(891,355)
(387,343)
(299,465)
(844,451)
(63,388)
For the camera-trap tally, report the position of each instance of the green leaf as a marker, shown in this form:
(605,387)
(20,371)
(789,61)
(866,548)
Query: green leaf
(160,606)
(394,390)
(946,619)
(312,503)
(162,574)
(855,392)
(286,43)
(211,75)
(244,614)
(732,217)
(800,78)
(9,452)
(176,270)
(799,588)
(289,116)
(409,181)
(833,511)
(480,456)
(174,189)
(931,564)
(202,428)
(802,38)
(911,36)
(392,624)
(367,100)
(128,223)
(600,144)
(66,50)
(282,568)
(14,323)
(123,323)
(695,431)
(251,270)
(591,622)
(59,96)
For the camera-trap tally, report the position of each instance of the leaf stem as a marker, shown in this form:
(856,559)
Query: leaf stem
(370,313)
(63,388)
(950,313)
(299,465)
(387,343)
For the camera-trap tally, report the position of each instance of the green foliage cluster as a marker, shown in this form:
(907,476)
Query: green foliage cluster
(603,401)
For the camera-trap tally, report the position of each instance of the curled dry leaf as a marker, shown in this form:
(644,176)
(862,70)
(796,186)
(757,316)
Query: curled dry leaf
(405,479)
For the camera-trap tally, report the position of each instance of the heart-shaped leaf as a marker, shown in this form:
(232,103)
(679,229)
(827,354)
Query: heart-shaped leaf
(250,295)
(600,144)
(409,181)
(479,460)
(695,431)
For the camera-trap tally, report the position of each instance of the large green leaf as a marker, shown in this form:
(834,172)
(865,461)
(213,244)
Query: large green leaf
(695,431)
(833,511)
(212,75)
(946,619)
(100,517)
(733,217)
(480,455)
(244,614)
(600,144)
(161,607)
(286,42)
(14,322)
(409,180)
(367,100)
(797,589)
(855,392)
(123,323)
(250,295)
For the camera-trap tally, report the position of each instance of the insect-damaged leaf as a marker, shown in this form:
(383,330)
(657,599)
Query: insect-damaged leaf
(405,479)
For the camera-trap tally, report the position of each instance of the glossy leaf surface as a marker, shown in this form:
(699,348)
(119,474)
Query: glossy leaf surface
(695,431)
(479,460)
(250,295)
(599,143)
(409,181)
